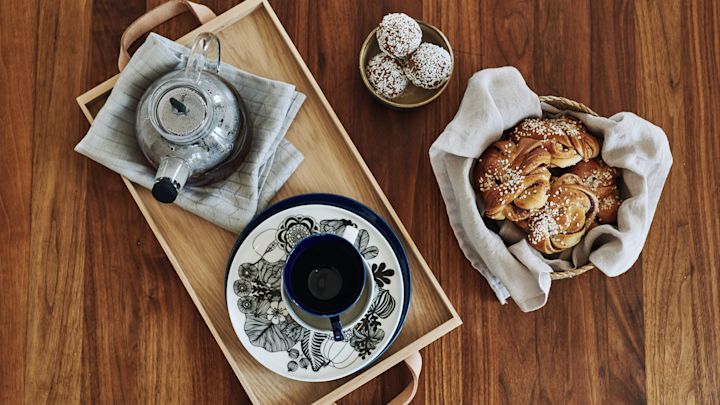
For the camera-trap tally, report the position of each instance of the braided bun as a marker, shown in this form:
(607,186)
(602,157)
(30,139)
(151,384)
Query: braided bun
(602,180)
(566,138)
(569,212)
(513,178)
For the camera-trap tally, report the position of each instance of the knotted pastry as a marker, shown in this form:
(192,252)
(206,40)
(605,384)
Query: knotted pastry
(569,212)
(566,138)
(513,178)
(602,180)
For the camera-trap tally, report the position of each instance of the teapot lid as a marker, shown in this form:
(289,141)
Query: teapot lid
(182,103)
(181,112)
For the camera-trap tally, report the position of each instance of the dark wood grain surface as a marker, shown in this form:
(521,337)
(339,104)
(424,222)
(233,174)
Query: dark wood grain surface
(91,310)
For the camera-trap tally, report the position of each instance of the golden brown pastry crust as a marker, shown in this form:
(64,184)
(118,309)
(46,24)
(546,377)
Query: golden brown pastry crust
(569,212)
(601,179)
(565,137)
(513,178)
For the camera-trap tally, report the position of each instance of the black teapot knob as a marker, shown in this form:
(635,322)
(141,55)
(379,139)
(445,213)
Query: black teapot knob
(164,190)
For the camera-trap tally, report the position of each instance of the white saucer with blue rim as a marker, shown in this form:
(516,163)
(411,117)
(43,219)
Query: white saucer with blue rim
(253,289)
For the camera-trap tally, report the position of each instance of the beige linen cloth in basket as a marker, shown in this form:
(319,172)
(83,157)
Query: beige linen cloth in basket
(271,106)
(497,99)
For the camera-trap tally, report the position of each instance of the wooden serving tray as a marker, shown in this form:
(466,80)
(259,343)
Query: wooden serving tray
(254,40)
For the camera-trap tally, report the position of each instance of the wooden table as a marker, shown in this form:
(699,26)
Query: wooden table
(92,311)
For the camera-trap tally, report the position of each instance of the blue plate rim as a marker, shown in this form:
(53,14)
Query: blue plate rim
(354,206)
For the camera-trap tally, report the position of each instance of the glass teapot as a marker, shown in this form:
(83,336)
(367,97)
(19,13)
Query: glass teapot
(191,123)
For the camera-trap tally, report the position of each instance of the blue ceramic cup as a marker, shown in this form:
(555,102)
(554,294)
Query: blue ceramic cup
(324,275)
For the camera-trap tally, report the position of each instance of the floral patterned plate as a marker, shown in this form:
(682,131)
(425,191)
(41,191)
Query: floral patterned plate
(259,316)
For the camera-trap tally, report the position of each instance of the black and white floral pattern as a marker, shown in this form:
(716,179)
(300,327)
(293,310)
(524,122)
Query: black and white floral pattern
(267,323)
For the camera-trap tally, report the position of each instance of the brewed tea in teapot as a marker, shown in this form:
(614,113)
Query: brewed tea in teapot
(191,123)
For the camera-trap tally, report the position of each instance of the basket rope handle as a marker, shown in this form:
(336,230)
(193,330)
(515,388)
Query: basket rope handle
(562,103)
(160,14)
(559,275)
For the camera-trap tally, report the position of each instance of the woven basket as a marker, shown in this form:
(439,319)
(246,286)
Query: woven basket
(562,103)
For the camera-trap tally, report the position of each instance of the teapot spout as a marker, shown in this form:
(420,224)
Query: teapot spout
(171,176)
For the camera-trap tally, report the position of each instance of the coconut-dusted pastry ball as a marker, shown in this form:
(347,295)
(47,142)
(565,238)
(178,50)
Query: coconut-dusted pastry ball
(429,67)
(386,76)
(398,35)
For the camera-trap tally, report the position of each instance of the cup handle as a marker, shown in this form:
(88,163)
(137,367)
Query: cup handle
(350,234)
(337,328)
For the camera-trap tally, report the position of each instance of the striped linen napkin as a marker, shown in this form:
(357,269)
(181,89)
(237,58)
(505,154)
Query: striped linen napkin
(271,106)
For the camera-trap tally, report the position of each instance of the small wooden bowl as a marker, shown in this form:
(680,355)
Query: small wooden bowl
(413,96)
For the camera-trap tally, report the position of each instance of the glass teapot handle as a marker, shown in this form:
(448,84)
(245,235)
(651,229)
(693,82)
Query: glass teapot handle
(204,55)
